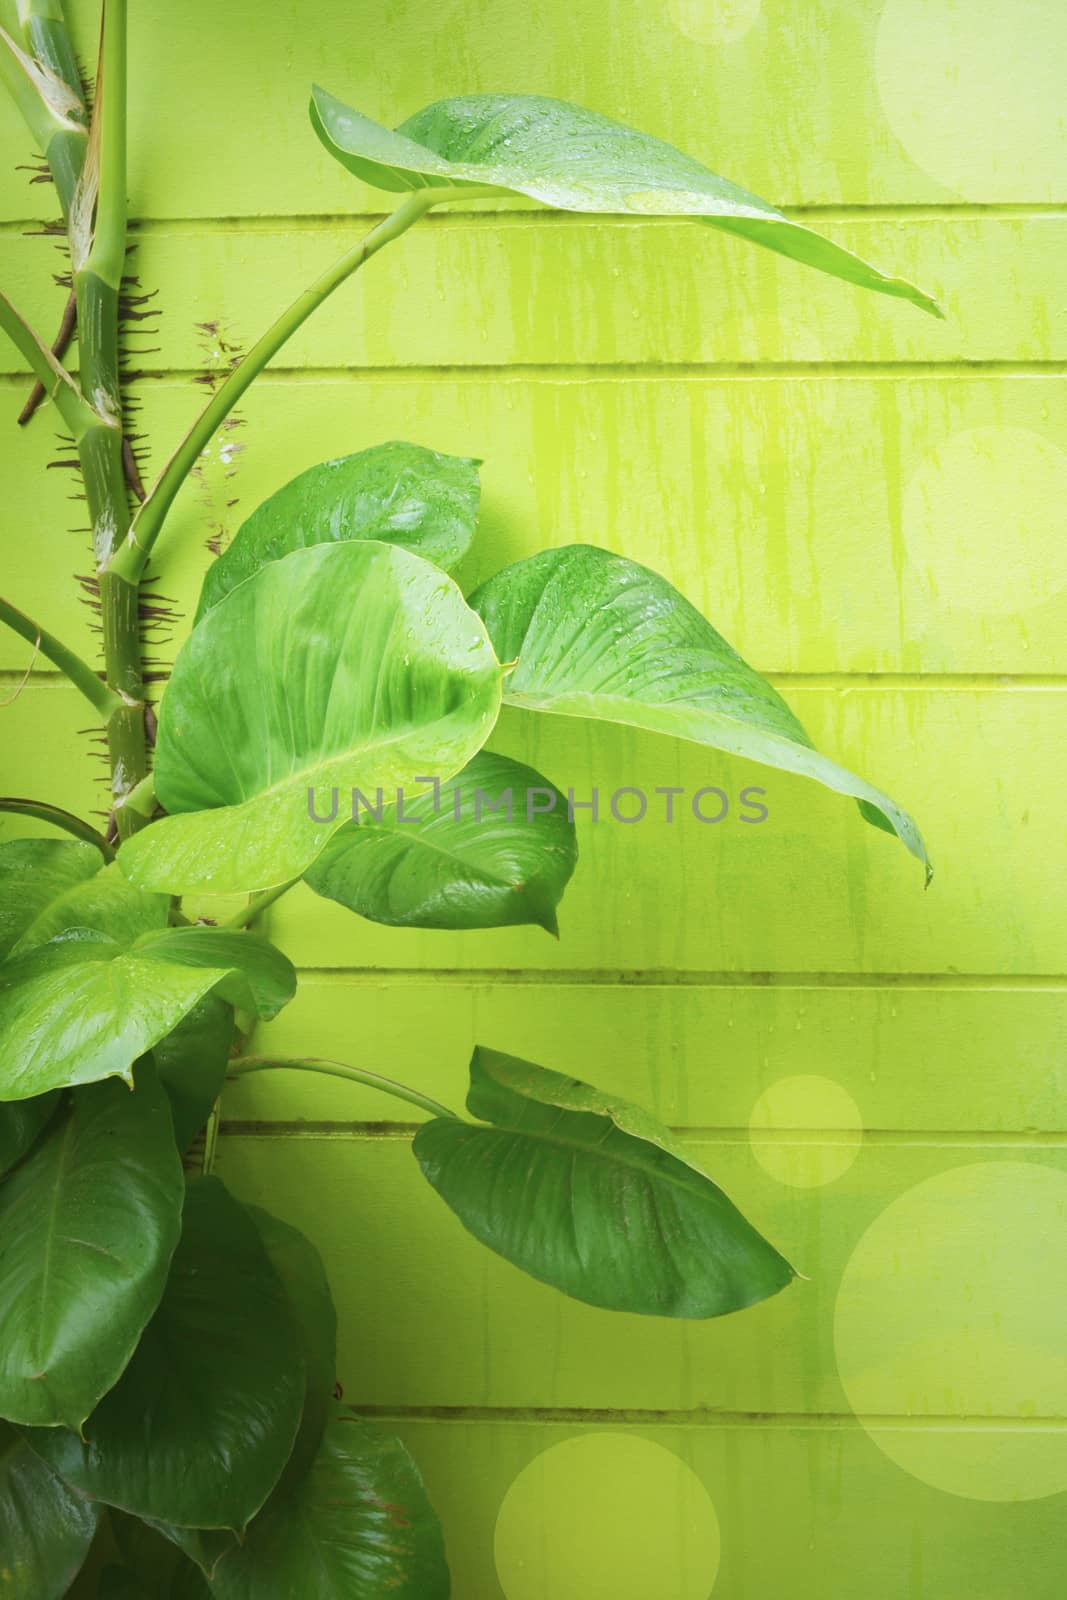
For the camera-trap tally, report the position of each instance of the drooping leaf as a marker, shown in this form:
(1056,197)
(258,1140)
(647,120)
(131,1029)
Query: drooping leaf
(86,1005)
(357,1525)
(400,494)
(200,1425)
(162,1570)
(492,849)
(342,666)
(191,1062)
(21,1123)
(591,1194)
(34,875)
(45,1529)
(573,160)
(599,636)
(88,1225)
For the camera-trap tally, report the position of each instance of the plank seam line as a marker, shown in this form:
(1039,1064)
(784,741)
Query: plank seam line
(665,978)
(703,1418)
(829,1138)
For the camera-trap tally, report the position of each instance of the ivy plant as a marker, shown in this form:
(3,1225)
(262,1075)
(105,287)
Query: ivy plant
(167,1353)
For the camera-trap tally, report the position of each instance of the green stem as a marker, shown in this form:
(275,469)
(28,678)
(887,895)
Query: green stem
(43,812)
(130,561)
(338,1069)
(51,106)
(257,903)
(44,29)
(80,673)
(54,378)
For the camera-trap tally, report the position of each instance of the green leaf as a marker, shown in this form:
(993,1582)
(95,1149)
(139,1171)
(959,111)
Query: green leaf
(36,875)
(199,1427)
(485,852)
(21,1122)
(191,1062)
(573,160)
(86,1005)
(45,1530)
(596,635)
(341,667)
(161,1569)
(591,1194)
(119,1583)
(88,1225)
(400,494)
(358,1524)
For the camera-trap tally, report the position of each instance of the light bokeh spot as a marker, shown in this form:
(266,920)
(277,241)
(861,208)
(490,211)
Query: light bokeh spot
(607,1516)
(714,21)
(983,520)
(951,1316)
(975,93)
(805,1130)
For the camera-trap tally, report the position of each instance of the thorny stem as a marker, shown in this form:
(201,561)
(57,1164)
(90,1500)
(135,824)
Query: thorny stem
(80,673)
(338,1069)
(59,350)
(78,415)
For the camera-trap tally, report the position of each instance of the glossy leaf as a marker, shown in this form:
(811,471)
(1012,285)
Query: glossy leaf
(483,852)
(88,1225)
(191,1062)
(343,666)
(85,1006)
(591,1194)
(398,493)
(357,1526)
(596,635)
(21,1123)
(573,160)
(45,1529)
(200,1425)
(35,874)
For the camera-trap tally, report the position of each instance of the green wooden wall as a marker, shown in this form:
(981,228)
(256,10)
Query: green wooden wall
(870,506)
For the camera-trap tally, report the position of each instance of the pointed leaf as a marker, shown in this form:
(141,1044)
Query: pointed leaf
(494,848)
(45,1529)
(34,874)
(342,666)
(400,494)
(86,1005)
(573,160)
(88,1226)
(199,1427)
(593,1195)
(191,1062)
(599,636)
(358,1524)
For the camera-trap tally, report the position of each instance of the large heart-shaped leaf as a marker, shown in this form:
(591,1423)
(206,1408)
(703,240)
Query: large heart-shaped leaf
(596,635)
(492,849)
(35,875)
(199,1427)
(45,1529)
(593,1195)
(340,667)
(86,1005)
(400,494)
(356,1526)
(192,1062)
(21,1123)
(573,160)
(88,1226)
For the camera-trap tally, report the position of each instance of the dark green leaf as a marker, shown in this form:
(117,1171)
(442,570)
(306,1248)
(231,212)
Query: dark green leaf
(21,1122)
(191,1062)
(357,1526)
(401,494)
(573,160)
(35,875)
(88,1225)
(119,1583)
(598,636)
(342,666)
(45,1530)
(201,1424)
(594,1196)
(158,1565)
(86,1005)
(486,852)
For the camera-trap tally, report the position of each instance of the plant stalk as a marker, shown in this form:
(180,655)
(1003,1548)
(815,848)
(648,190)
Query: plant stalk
(41,811)
(339,1069)
(103,700)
